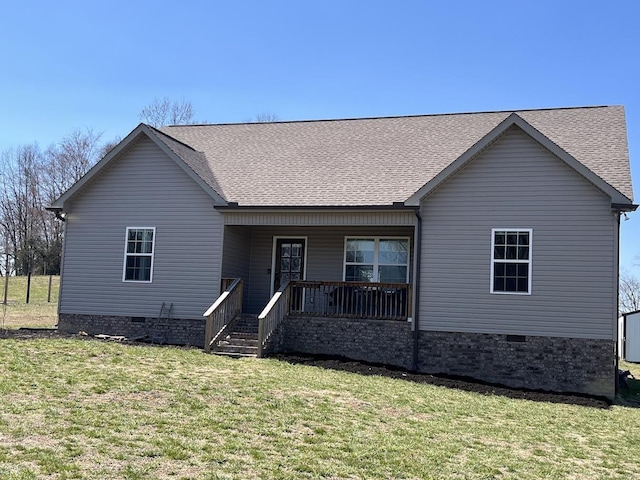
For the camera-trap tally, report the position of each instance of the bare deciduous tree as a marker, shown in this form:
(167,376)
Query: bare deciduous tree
(21,207)
(30,180)
(108,146)
(164,111)
(65,163)
(264,117)
(629,293)
(68,160)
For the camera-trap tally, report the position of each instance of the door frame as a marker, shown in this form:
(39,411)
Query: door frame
(273,257)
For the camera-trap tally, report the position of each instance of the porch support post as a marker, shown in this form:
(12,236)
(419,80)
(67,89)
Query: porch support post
(416,288)
(208,333)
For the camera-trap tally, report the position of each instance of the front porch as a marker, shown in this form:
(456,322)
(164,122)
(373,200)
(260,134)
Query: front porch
(264,256)
(313,268)
(366,321)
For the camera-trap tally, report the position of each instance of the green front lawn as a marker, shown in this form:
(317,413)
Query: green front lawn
(87,409)
(42,309)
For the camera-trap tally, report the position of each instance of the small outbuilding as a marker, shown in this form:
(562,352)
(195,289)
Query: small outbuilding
(629,336)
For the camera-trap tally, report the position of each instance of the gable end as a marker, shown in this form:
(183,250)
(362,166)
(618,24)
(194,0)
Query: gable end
(515,121)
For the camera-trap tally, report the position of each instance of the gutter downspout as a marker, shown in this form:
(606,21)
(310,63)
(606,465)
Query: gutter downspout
(416,292)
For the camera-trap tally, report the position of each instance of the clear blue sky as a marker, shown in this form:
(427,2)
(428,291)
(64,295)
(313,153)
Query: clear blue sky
(73,64)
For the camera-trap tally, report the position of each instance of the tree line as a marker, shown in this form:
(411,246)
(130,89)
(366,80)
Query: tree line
(32,178)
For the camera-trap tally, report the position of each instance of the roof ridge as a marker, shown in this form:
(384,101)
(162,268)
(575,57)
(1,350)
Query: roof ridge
(388,117)
(156,130)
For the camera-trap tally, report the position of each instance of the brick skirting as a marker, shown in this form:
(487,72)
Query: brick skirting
(577,365)
(543,363)
(557,364)
(376,341)
(179,332)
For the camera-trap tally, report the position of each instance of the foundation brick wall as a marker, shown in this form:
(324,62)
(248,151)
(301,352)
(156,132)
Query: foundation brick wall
(557,364)
(179,332)
(576,365)
(376,341)
(543,363)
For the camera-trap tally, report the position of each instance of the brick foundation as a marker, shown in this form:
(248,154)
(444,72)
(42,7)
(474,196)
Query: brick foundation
(375,341)
(576,365)
(543,363)
(179,332)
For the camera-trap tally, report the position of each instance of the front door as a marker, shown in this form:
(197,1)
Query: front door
(289,261)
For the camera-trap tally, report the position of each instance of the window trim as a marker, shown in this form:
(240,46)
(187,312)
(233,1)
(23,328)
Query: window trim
(376,250)
(529,261)
(126,255)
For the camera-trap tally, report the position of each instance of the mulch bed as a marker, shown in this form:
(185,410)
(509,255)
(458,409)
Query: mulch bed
(460,383)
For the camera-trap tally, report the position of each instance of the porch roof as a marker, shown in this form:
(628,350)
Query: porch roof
(379,161)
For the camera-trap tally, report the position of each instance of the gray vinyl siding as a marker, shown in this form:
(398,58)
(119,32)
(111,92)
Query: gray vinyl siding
(325,255)
(516,183)
(143,188)
(237,255)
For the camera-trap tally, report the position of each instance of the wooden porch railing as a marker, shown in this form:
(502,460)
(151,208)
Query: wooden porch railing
(225,282)
(385,301)
(271,317)
(222,312)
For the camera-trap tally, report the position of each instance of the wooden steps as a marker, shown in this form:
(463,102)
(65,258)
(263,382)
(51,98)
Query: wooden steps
(241,340)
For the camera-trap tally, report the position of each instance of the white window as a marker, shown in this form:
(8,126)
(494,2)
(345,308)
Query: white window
(376,259)
(511,260)
(138,254)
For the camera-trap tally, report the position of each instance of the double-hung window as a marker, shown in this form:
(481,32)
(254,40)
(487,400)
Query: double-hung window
(376,259)
(138,254)
(511,260)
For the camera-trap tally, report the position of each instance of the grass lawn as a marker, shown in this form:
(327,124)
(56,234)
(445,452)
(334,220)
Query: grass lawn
(73,408)
(38,312)
(632,393)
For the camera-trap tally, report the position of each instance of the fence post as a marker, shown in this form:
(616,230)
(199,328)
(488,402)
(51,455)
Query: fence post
(6,285)
(28,286)
(49,291)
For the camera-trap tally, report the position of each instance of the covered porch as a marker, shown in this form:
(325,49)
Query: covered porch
(266,256)
(364,321)
(358,267)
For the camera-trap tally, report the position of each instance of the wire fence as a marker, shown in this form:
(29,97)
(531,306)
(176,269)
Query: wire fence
(29,302)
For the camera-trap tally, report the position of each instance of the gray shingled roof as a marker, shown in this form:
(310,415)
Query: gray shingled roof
(197,161)
(378,161)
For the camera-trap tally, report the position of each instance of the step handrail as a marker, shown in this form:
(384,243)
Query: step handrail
(222,312)
(272,315)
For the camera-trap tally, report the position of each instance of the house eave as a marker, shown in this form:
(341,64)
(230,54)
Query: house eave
(624,207)
(400,207)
